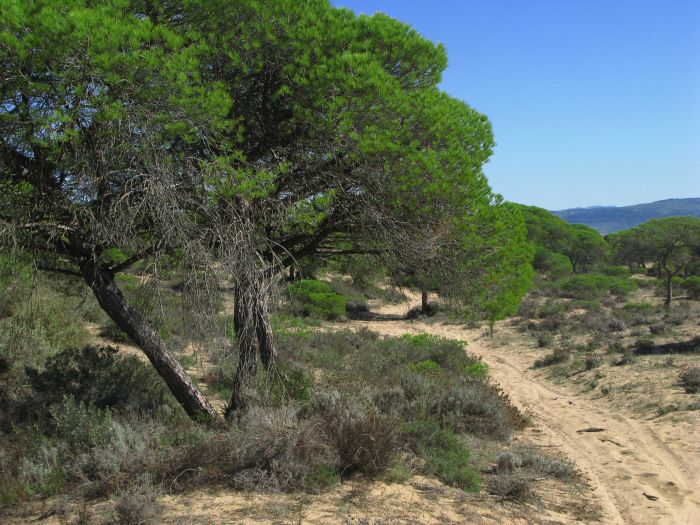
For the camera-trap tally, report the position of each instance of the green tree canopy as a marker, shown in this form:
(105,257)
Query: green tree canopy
(252,133)
(582,245)
(671,243)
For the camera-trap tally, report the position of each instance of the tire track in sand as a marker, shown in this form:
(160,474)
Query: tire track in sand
(622,463)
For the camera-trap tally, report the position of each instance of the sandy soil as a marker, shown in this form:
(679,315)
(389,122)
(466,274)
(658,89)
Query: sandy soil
(637,476)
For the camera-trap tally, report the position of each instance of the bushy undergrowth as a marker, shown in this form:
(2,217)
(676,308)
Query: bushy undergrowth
(690,379)
(340,404)
(316,298)
(594,285)
(691,286)
(557,356)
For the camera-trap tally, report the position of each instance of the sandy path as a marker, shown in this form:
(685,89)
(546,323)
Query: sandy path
(622,463)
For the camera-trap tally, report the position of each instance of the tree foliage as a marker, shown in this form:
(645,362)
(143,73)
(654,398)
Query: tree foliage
(251,134)
(582,245)
(670,243)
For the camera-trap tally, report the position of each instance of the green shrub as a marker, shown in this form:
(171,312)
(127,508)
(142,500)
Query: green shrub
(448,354)
(15,284)
(316,298)
(584,304)
(551,309)
(639,307)
(467,404)
(594,285)
(322,476)
(691,286)
(427,365)
(111,331)
(617,271)
(445,454)
(81,426)
(477,370)
(555,265)
(294,382)
(102,378)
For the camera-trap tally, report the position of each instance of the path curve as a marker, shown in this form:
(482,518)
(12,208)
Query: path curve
(622,463)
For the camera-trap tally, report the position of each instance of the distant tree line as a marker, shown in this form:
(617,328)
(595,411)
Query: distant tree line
(667,247)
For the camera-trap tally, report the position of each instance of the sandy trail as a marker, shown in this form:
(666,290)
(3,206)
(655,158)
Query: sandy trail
(622,463)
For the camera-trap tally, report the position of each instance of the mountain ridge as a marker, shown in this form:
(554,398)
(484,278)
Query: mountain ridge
(610,219)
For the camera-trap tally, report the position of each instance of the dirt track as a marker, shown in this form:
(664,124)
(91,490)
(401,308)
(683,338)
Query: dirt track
(623,462)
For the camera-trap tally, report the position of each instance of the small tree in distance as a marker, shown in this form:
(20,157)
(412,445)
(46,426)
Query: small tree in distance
(671,243)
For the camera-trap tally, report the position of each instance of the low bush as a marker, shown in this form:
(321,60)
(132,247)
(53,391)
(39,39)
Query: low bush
(549,466)
(690,379)
(544,340)
(467,405)
(657,329)
(316,298)
(514,487)
(138,505)
(477,370)
(616,271)
(553,264)
(100,377)
(644,346)
(81,426)
(592,361)
(528,308)
(691,286)
(594,285)
(557,356)
(445,454)
(363,439)
(616,325)
(584,304)
(551,323)
(639,307)
(427,365)
(628,357)
(550,309)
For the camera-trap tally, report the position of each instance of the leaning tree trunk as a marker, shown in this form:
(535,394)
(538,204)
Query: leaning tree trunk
(110,298)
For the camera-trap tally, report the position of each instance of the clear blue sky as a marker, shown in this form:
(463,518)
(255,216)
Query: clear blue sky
(593,102)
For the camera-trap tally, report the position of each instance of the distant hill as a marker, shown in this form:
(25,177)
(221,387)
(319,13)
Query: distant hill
(609,219)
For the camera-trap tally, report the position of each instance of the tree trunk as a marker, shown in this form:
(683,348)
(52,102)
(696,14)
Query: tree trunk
(110,298)
(251,322)
(669,290)
(244,326)
(263,330)
(424,304)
